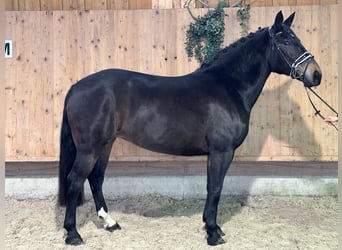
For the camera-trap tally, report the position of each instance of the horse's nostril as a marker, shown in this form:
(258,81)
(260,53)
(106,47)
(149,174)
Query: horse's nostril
(317,76)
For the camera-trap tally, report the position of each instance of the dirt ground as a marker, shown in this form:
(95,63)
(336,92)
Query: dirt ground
(155,222)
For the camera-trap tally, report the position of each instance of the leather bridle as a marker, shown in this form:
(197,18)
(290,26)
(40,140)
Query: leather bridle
(294,73)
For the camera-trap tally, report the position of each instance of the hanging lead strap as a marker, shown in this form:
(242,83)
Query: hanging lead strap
(322,100)
(318,112)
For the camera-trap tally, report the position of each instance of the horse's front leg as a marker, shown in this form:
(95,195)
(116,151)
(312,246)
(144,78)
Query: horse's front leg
(218,163)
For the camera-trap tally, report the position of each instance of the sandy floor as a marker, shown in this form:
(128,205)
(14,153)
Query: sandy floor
(155,222)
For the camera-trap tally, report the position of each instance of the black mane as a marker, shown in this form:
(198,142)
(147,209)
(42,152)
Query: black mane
(223,53)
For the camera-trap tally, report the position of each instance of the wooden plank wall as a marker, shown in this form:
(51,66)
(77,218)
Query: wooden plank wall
(34,5)
(53,49)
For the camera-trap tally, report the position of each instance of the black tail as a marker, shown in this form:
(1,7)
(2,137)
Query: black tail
(66,159)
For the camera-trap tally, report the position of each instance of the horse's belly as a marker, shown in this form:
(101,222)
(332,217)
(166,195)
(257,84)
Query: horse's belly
(160,133)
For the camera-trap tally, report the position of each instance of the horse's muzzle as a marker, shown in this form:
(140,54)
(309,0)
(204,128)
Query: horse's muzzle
(312,75)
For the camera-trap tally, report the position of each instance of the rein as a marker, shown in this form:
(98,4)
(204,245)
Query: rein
(317,111)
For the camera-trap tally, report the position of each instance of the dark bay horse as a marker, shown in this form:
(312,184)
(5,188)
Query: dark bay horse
(203,113)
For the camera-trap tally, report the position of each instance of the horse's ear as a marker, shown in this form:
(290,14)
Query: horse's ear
(289,20)
(278,22)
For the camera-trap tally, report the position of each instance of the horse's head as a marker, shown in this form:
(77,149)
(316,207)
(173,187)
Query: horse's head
(289,56)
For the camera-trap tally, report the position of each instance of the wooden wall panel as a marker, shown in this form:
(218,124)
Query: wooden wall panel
(35,5)
(53,49)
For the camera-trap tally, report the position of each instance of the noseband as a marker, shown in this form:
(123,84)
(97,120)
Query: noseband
(294,73)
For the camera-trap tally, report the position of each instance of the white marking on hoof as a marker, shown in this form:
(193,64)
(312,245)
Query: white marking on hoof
(108,221)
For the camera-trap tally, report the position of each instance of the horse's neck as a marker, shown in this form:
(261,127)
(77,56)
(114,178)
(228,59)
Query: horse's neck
(248,70)
(250,89)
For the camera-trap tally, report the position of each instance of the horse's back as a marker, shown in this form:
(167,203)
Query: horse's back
(175,115)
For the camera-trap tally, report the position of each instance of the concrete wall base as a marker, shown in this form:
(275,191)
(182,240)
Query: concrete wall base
(179,186)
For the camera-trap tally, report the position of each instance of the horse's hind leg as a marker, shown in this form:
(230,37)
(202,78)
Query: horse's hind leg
(82,167)
(96,179)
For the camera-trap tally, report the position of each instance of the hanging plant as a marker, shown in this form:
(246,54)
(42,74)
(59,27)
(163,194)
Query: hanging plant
(205,36)
(243,15)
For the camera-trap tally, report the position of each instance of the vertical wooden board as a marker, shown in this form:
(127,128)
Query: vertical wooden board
(44,5)
(269,2)
(11,5)
(117,39)
(32,5)
(109,43)
(82,45)
(280,2)
(330,2)
(144,4)
(304,2)
(92,41)
(178,4)
(105,33)
(51,4)
(10,87)
(132,52)
(158,42)
(259,3)
(145,40)
(170,25)
(110,4)
(23,85)
(73,4)
(155,4)
(132,5)
(44,113)
(95,5)
(165,4)
(35,101)
(47,81)
(65,63)
(121,22)
(21,5)
(120,4)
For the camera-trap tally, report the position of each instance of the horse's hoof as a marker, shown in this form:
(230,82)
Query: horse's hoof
(214,237)
(219,230)
(214,240)
(113,228)
(74,240)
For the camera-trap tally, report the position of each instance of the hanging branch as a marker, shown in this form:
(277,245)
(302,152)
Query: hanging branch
(205,36)
(187,6)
